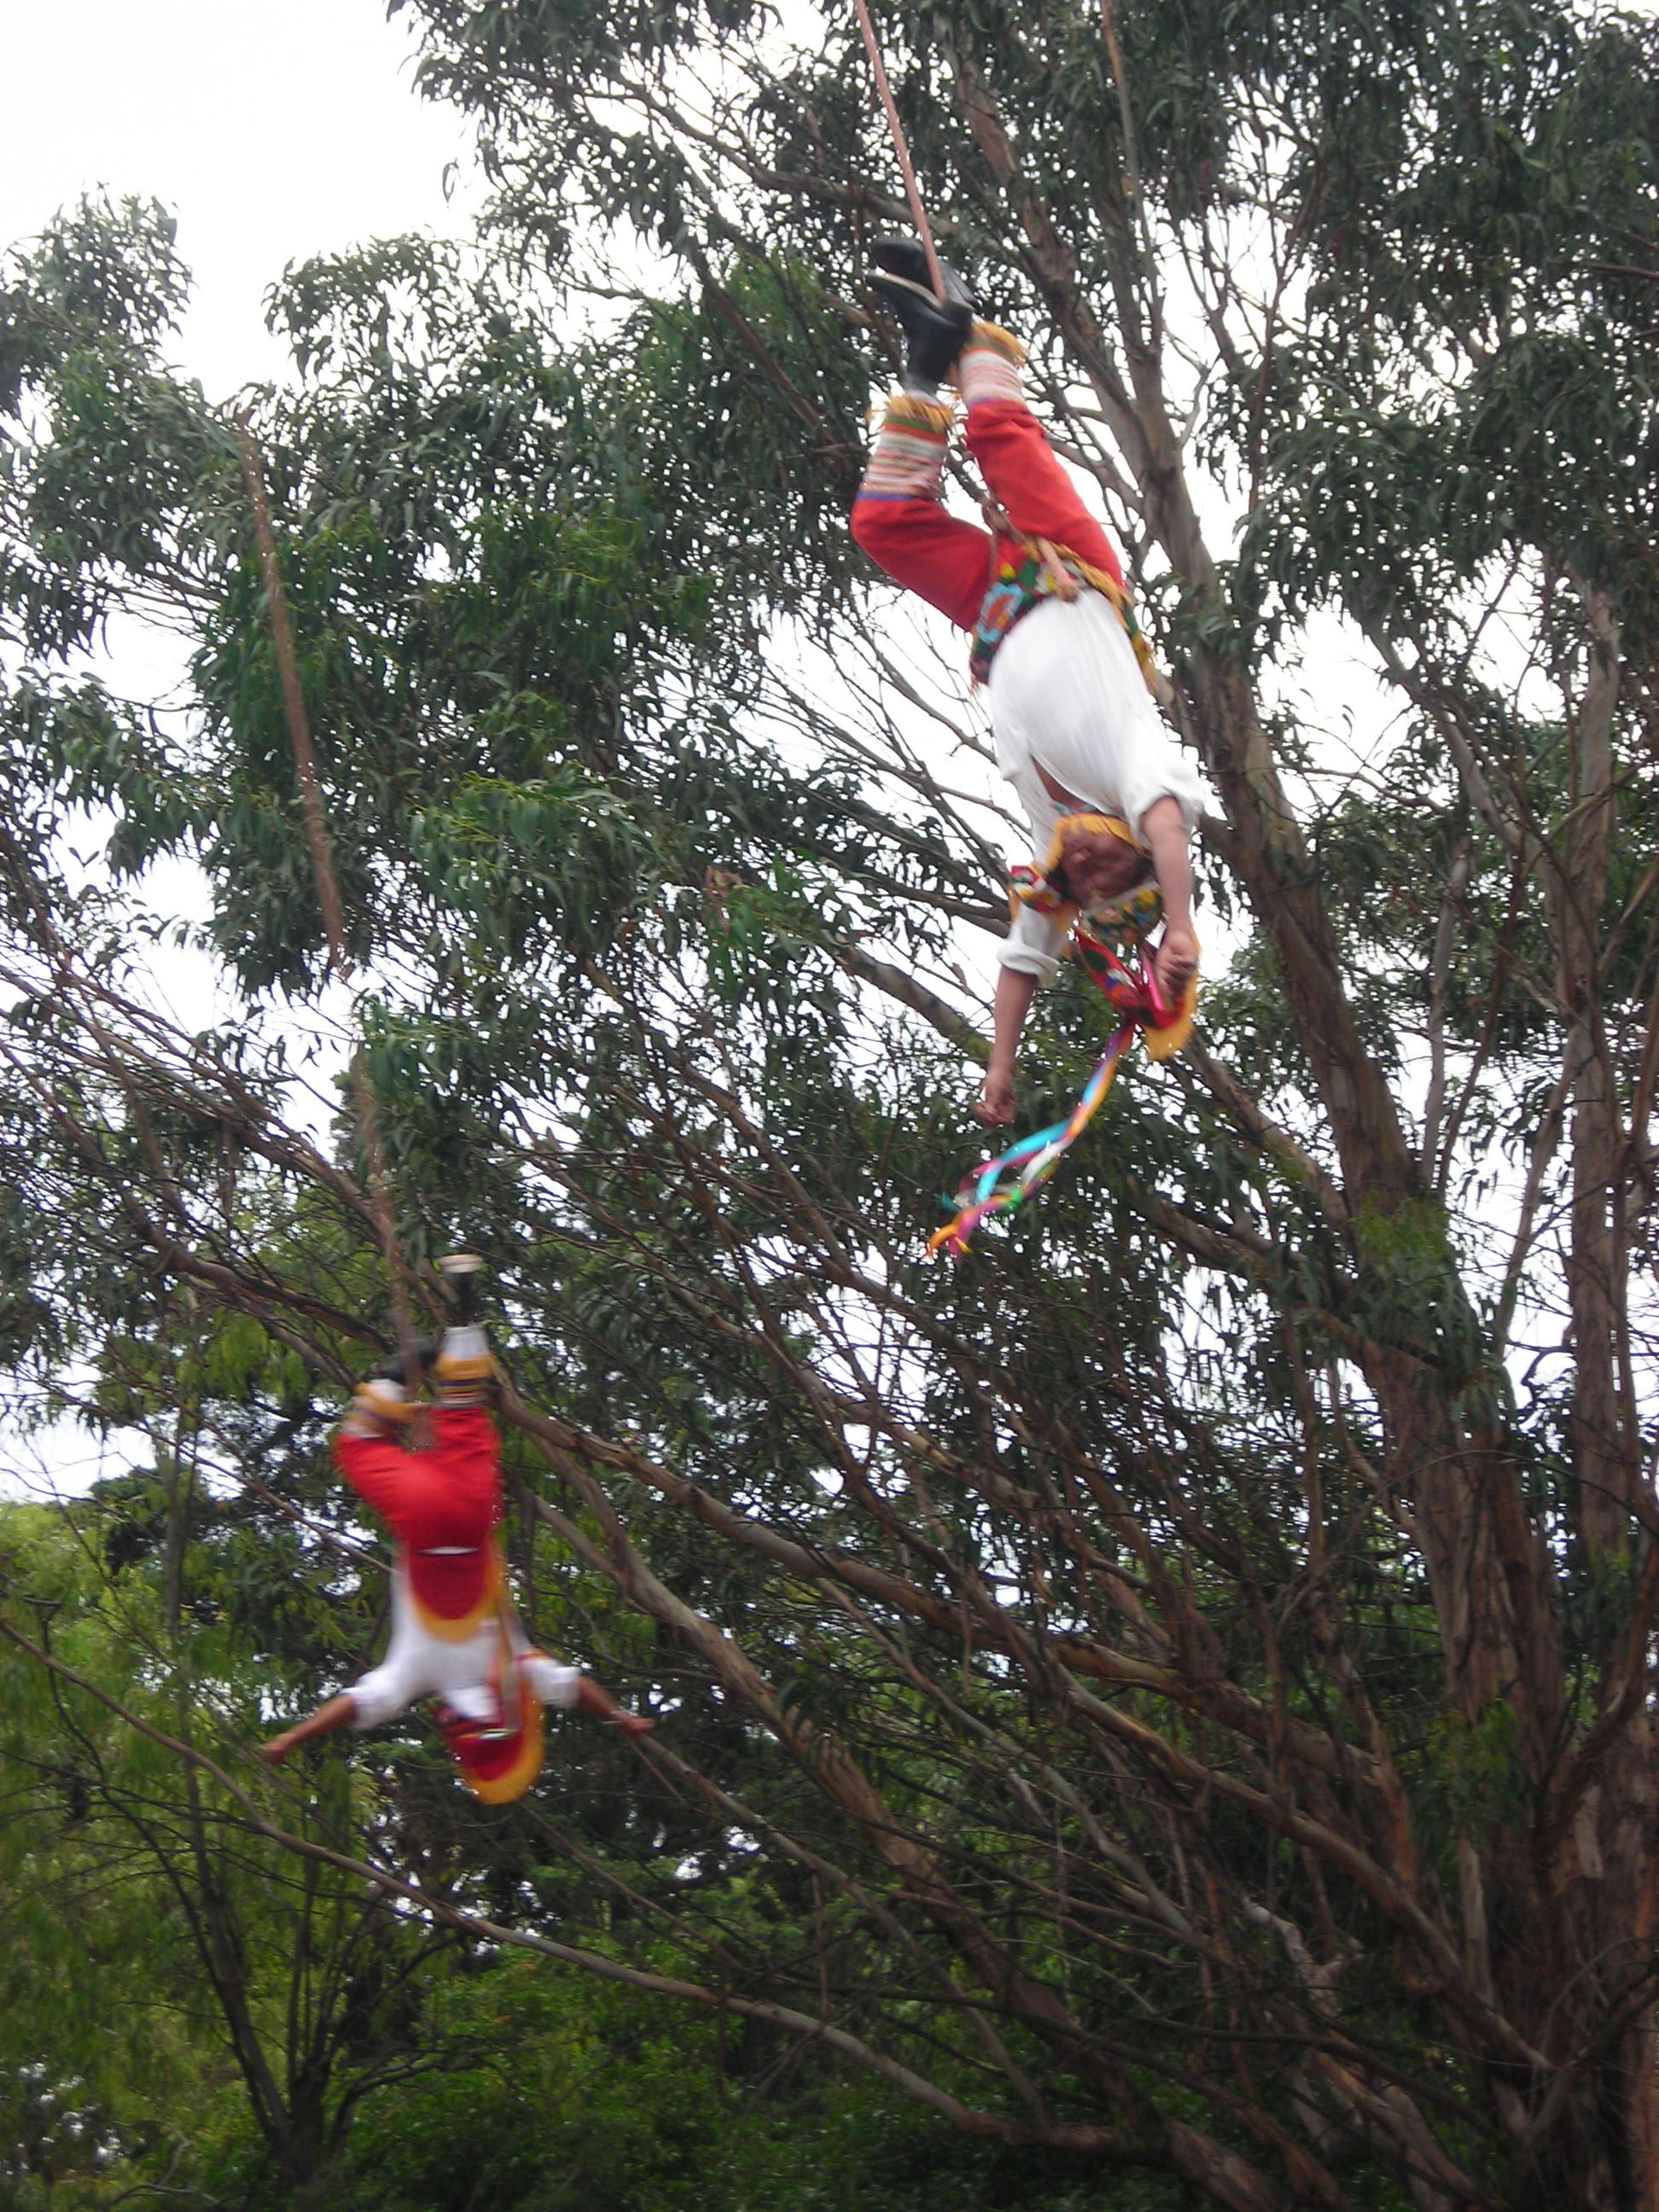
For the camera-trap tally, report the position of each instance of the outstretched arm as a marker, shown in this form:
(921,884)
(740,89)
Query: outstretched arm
(1030,954)
(1163,832)
(591,1697)
(1015,991)
(556,1685)
(339,1712)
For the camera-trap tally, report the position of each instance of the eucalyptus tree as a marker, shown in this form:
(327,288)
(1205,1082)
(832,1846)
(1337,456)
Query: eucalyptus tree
(1176,1688)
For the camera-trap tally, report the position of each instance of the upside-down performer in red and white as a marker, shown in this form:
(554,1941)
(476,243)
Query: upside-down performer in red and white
(455,1636)
(1112,802)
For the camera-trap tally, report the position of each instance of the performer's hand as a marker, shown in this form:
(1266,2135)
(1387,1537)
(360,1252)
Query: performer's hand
(1014,994)
(593,1698)
(1175,963)
(994,1106)
(339,1712)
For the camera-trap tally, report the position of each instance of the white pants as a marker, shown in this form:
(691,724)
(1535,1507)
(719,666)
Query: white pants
(418,1664)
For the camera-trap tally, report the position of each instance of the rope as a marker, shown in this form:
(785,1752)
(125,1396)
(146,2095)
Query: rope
(913,190)
(1130,987)
(328,893)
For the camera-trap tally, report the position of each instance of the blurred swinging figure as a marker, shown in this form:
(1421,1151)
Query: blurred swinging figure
(455,1636)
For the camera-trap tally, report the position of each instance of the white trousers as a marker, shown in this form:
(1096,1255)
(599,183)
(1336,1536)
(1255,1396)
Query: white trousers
(418,1664)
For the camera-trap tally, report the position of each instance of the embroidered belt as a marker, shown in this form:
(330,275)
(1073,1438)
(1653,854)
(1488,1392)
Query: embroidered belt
(1016,588)
(1046,572)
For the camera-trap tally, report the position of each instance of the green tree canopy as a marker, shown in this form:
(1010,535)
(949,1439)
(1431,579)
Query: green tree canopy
(1173,1693)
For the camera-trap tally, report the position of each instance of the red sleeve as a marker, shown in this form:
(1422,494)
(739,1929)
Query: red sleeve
(944,562)
(1019,465)
(378,1470)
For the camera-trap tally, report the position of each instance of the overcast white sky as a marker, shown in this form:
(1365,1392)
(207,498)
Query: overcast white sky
(274,131)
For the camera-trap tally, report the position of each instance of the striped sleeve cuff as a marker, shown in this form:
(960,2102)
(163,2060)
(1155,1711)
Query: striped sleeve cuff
(907,458)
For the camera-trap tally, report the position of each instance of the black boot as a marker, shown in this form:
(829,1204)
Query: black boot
(461,1272)
(907,257)
(935,329)
(391,1369)
(465,1373)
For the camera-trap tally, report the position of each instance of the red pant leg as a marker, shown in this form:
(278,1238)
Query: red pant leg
(899,518)
(944,562)
(1040,499)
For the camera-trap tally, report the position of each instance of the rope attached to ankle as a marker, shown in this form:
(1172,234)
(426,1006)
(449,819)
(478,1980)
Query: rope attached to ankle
(328,895)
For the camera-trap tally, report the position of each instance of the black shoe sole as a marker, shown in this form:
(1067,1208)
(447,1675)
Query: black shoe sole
(912,270)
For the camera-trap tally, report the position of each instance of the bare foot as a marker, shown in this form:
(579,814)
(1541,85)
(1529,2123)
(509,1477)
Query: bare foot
(1176,964)
(994,1106)
(635,1723)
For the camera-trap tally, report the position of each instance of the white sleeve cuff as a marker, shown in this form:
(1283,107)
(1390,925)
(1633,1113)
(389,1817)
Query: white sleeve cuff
(378,1697)
(1033,944)
(1163,772)
(553,1684)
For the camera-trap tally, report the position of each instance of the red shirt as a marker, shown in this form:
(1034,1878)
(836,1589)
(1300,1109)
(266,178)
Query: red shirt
(442,1506)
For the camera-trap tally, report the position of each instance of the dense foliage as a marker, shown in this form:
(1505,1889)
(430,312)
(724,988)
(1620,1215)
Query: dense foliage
(1158,1714)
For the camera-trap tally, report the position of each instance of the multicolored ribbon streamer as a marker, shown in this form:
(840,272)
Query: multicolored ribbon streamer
(1035,1157)
(997,1186)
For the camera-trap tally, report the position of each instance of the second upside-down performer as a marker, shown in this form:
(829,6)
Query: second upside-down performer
(455,1638)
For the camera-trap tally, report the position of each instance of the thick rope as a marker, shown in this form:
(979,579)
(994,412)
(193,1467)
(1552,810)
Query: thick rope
(913,190)
(328,894)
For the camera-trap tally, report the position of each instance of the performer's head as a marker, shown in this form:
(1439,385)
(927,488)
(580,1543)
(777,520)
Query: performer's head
(1094,858)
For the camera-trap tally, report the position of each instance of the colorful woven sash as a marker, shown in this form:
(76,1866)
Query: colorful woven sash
(1044,572)
(1015,589)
